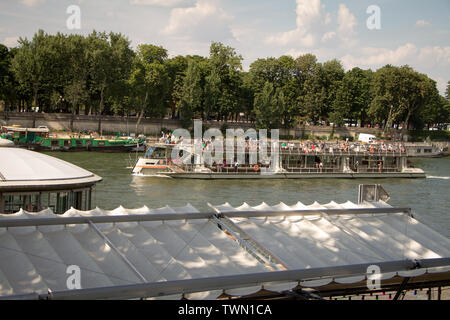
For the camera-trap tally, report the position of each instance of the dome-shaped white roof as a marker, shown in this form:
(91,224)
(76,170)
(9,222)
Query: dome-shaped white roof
(21,167)
(6,143)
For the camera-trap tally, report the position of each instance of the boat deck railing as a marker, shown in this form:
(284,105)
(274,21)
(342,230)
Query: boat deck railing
(298,150)
(246,169)
(343,153)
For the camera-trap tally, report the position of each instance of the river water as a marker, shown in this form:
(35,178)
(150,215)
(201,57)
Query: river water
(429,198)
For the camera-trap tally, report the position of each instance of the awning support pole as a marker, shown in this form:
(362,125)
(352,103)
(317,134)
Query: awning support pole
(402,286)
(121,255)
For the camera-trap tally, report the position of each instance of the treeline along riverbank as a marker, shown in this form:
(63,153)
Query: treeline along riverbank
(102,74)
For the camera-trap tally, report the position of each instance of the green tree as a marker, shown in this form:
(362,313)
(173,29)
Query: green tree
(311,96)
(246,95)
(400,93)
(192,93)
(267,107)
(31,63)
(447,92)
(110,62)
(279,72)
(332,75)
(176,71)
(223,81)
(352,97)
(76,91)
(148,81)
(7,84)
(122,61)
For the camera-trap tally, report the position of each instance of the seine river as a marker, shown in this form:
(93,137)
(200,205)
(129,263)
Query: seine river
(429,198)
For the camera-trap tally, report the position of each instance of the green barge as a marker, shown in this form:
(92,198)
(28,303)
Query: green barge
(40,139)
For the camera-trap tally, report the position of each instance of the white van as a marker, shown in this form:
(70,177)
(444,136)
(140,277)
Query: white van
(368,138)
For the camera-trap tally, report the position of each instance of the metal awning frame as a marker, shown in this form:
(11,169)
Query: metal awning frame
(158,289)
(152,289)
(60,220)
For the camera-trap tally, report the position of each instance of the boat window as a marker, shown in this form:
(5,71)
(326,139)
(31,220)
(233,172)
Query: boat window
(156,153)
(54,143)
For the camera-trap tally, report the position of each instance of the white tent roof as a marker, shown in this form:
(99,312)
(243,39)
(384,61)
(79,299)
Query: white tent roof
(35,258)
(320,240)
(380,237)
(18,164)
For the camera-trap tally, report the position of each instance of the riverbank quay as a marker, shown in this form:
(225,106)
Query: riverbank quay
(105,124)
(113,124)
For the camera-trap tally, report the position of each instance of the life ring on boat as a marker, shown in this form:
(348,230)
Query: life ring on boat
(256,168)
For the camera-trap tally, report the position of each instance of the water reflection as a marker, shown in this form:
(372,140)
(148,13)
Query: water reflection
(428,197)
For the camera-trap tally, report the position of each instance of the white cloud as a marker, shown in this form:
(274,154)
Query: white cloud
(32,3)
(426,57)
(161,3)
(296,36)
(206,21)
(308,12)
(433,61)
(309,16)
(376,57)
(435,56)
(423,23)
(328,36)
(322,54)
(441,84)
(10,42)
(346,21)
(314,24)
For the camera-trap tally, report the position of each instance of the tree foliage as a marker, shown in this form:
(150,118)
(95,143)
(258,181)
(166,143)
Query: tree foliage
(100,73)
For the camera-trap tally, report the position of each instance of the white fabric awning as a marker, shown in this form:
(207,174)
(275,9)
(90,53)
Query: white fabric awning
(176,246)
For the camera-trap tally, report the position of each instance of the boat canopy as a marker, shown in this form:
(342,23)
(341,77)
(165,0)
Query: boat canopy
(176,252)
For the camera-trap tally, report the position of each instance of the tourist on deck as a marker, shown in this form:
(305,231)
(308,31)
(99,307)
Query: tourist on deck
(163,137)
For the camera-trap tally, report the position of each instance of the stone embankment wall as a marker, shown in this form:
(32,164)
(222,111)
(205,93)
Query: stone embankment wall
(115,124)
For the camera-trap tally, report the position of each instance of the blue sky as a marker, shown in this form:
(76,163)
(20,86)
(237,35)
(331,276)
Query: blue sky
(411,32)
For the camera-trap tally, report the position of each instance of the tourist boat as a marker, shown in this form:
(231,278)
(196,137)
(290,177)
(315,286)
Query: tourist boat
(40,139)
(292,162)
(424,150)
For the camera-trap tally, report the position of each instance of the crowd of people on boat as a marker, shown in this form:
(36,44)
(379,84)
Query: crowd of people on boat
(252,144)
(333,147)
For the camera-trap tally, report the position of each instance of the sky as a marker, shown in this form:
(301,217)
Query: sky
(359,33)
